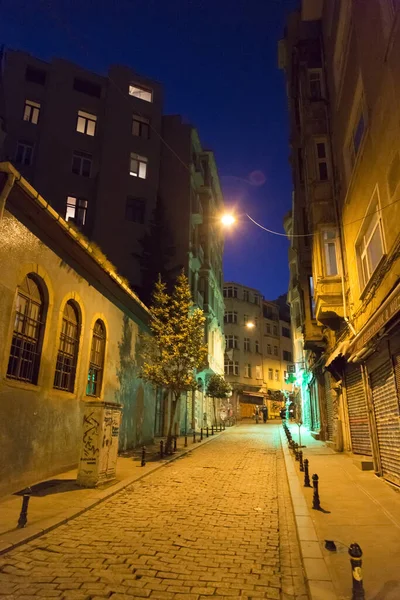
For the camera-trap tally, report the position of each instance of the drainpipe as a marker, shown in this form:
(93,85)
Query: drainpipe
(5,192)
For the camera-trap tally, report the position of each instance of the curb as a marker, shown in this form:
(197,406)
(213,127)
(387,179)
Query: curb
(13,539)
(318,578)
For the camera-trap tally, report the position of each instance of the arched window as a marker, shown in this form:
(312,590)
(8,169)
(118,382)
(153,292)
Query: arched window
(64,377)
(24,360)
(96,364)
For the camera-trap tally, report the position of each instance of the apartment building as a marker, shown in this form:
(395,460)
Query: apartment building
(191,193)
(341,60)
(89,144)
(258,354)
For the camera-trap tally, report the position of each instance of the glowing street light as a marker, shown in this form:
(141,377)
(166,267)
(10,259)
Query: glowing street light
(227,220)
(250,325)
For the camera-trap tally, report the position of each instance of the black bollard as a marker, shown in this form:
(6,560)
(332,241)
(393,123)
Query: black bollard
(296,451)
(143,462)
(315,502)
(185,441)
(161,449)
(306,474)
(301,461)
(223,426)
(23,517)
(201,434)
(212,429)
(175,438)
(194,436)
(355,553)
(207,431)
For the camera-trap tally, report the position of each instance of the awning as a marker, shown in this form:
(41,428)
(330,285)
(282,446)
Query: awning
(340,350)
(250,397)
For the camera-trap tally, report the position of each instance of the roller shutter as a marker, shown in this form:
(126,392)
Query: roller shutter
(357,409)
(329,405)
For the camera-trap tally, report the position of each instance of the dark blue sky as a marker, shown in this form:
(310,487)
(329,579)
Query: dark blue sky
(217,60)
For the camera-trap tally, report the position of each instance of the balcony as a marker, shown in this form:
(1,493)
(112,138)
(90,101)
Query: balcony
(314,340)
(329,302)
(200,300)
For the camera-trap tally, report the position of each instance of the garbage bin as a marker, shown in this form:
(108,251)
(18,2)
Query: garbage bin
(99,447)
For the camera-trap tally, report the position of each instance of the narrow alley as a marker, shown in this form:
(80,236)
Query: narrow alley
(216,522)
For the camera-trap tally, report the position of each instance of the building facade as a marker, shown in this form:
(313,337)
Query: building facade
(90,144)
(70,335)
(258,354)
(192,197)
(342,66)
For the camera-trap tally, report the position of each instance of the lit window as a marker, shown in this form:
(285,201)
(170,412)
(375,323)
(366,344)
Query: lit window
(247,370)
(31,111)
(276,375)
(247,344)
(232,341)
(231,367)
(64,377)
(315,84)
(330,252)
(276,350)
(141,92)
(138,166)
(135,210)
(141,127)
(270,374)
(24,153)
(369,247)
(230,317)
(96,364)
(24,359)
(258,372)
(322,161)
(86,123)
(81,163)
(76,210)
(230,291)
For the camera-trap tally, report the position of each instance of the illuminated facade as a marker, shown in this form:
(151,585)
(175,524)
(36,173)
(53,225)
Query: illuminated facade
(344,225)
(258,354)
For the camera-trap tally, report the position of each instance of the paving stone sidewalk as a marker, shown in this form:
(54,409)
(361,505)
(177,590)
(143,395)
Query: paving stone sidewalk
(217,522)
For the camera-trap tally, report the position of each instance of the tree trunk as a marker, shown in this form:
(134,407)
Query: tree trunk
(215,412)
(168,443)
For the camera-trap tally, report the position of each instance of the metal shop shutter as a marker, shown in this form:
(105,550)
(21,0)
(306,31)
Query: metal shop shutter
(386,406)
(329,405)
(358,413)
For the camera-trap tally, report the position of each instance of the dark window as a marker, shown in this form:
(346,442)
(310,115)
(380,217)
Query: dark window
(64,377)
(87,87)
(81,163)
(135,210)
(257,346)
(24,360)
(286,332)
(141,127)
(275,330)
(35,75)
(24,153)
(287,356)
(96,365)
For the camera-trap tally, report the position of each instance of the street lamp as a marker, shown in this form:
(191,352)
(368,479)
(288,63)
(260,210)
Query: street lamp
(250,325)
(227,220)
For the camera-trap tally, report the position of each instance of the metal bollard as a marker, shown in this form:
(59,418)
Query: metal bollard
(355,553)
(161,449)
(301,461)
(207,431)
(315,503)
(175,438)
(143,462)
(23,517)
(212,429)
(194,436)
(306,474)
(185,441)
(223,426)
(296,451)
(201,434)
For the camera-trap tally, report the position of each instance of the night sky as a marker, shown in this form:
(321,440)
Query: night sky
(217,60)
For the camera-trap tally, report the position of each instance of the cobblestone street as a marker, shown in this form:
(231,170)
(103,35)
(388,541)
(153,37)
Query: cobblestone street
(217,522)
